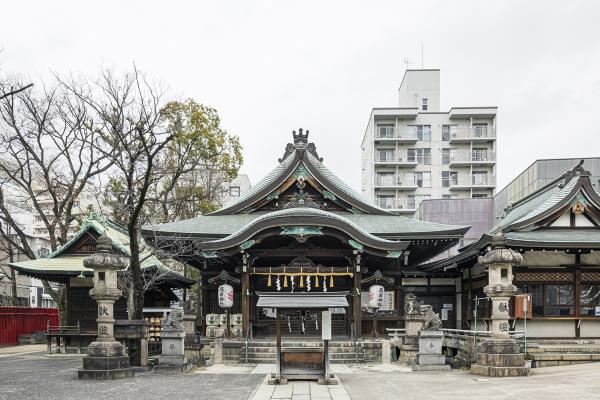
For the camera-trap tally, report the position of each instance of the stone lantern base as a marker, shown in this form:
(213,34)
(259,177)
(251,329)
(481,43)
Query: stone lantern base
(499,357)
(104,361)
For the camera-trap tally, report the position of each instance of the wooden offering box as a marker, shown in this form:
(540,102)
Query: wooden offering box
(302,362)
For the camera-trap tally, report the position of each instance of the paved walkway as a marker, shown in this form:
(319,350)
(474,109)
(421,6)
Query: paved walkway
(300,390)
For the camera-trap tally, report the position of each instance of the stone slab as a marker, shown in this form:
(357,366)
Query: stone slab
(486,370)
(431,359)
(431,367)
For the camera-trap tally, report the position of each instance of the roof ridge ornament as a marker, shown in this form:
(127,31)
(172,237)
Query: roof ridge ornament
(577,170)
(300,145)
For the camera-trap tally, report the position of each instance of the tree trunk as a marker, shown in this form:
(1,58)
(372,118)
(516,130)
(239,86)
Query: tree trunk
(136,274)
(60,298)
(130,300)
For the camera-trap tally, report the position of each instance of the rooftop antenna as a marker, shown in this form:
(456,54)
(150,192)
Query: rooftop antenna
(407,62)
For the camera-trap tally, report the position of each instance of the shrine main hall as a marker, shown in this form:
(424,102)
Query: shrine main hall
(302,229)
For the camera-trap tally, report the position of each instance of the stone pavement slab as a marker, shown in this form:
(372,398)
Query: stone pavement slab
(300,390)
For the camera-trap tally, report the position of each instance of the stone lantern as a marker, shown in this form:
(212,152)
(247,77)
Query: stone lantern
(105,358)
(500,355)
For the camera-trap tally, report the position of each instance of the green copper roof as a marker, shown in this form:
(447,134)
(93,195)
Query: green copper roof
(59,262)
(392,226)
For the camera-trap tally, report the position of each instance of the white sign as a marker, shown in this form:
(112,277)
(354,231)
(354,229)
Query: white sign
(597,311)
(448,306)
(376,293)
(326,325)
(225,294)
(445,313)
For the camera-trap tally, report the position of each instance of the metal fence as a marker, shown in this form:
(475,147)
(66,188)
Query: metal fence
(15,321)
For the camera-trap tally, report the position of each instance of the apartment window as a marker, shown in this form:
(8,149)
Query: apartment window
(449,178)
(423,179)
(424,133)
(445,156)
(421,156)
(234,191)
(424,104)
(480,154)
(479,196)
(385,201)
(479,178)
(480,129)
(385,131)
(385,178)
(413,201)
(445,133)
(385,155)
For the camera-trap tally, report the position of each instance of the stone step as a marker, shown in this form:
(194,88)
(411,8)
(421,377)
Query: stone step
(565,357)
(570,348)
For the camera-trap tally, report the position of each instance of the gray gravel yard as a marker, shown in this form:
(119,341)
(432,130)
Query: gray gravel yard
(33,376)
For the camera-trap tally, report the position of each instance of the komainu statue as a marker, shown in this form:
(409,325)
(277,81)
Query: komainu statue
(432,320)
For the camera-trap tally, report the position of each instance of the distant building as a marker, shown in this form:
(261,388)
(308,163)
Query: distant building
(88,200)
(539,174)
(30,292)
(416,152)
(234,189)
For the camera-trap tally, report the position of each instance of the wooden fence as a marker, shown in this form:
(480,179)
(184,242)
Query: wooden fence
(15,321)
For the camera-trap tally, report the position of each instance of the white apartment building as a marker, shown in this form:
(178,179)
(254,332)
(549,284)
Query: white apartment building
(89,199)
(416,152)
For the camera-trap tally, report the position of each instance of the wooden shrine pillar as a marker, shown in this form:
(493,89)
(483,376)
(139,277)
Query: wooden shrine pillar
(356,311)
(245,302)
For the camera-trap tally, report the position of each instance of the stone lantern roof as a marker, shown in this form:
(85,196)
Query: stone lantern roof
(499,253)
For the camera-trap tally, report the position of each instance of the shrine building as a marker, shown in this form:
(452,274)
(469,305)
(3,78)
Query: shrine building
(302,229)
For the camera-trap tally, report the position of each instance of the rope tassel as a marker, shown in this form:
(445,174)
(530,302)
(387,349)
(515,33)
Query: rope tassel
(316,281)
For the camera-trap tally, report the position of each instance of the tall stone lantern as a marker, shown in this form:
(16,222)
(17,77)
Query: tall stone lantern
(500,355)
(105,358)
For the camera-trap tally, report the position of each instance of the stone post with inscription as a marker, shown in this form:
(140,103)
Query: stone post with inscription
(105,358)
(172,337)
(500,355)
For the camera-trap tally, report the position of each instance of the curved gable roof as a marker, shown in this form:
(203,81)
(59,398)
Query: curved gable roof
(300,153)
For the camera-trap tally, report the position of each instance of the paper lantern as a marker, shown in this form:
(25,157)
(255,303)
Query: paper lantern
(376,293)
(225,294)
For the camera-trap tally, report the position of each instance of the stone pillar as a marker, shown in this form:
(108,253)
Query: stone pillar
(500,355)
(105,358)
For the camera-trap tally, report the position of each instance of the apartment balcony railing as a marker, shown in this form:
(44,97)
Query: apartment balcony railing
(471,157)
(395,157)
(474,133)
(393,133)
(396,181)
(397,203)
(467,181)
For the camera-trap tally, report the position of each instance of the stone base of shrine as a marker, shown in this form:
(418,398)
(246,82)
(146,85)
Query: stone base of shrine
(105,368)
(408,354)
(500,357)
(432,367)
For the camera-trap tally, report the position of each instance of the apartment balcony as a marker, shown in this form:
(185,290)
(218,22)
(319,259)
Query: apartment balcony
(467,158)
(394,134)
(475,134)
(395,158)
(474,181)
(396,181)
(397,204)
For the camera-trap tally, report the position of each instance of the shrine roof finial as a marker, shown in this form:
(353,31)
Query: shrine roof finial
(300,138)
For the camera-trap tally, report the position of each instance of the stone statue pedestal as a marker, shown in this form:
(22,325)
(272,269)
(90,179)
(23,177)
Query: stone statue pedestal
(173,352)
(500,357)
(430,357)
(410,347)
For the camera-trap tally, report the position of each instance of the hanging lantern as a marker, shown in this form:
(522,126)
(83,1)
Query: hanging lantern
(225,294)
(376,293)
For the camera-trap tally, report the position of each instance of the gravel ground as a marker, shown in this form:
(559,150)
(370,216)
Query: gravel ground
(33,376)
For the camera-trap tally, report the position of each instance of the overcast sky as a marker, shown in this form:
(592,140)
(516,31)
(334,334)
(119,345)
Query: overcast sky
(271,67)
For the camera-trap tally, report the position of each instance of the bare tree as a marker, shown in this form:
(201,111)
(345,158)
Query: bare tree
(48,155)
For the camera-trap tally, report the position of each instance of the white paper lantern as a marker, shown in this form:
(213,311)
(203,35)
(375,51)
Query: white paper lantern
(376,293)
(225,294)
